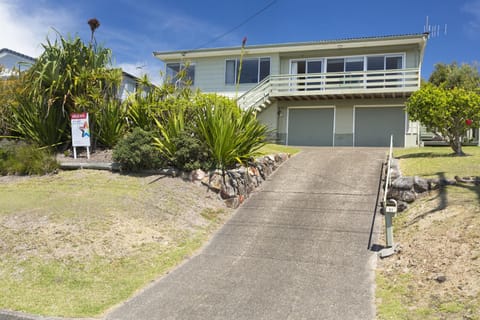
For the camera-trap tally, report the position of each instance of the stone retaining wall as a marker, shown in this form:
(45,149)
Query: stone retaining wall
(407,189)
(237,184)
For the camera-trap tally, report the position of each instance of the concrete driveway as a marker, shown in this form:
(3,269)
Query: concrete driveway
(297,249)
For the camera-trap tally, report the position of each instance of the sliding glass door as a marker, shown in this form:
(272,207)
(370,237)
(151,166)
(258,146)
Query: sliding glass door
(308,73)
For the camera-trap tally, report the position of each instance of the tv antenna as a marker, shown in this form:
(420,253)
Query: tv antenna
(435,30)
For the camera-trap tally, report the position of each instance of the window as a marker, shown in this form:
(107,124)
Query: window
(376,63)
(394,62)
(384,62)
(351,65)
(253,70)
(335,65)
(354,64)
(180,73)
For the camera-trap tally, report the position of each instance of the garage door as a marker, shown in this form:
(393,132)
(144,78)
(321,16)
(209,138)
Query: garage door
(373,126)
(310,126)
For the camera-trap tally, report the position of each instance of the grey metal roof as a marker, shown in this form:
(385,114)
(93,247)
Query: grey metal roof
(341,40)
(6,50)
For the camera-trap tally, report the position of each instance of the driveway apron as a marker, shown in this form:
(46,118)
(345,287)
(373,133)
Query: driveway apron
(297,249)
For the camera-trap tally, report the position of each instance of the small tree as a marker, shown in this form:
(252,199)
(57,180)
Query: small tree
(449,104)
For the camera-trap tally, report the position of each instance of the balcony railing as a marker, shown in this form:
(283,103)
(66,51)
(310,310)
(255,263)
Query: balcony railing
(331,84)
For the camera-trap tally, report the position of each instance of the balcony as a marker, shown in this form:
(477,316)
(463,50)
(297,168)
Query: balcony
(398,83)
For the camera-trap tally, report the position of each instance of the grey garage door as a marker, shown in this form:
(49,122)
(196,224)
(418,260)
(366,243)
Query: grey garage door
(310,126)
(373,126)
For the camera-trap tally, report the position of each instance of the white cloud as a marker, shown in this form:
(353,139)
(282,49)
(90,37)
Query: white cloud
(24,30)
(25,25)
(473,9)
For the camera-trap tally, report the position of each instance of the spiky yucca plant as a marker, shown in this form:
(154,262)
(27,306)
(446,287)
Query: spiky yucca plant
(170,129)
(230,134)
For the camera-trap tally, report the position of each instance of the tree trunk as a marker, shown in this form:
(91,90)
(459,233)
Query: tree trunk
(456,144)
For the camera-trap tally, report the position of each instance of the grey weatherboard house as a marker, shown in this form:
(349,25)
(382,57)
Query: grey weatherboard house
(348,92)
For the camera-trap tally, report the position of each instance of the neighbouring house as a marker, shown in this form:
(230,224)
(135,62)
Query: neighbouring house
(12,62)
(348,92)
(128,85)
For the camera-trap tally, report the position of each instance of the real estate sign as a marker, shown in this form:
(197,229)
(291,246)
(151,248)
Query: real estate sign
(80,129)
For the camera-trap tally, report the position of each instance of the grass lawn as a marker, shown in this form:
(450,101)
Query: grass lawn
(440,236)
(277,148)
(433,161)
(79,242)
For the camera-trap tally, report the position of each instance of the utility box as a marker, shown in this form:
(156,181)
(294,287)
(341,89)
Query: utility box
(391,207)
(390,211)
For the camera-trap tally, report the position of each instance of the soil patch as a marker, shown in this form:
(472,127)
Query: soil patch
(436,275)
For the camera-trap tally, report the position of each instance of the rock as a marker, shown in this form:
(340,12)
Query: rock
(283,157)
(403,183)
(402,206)
(402,195)
(434,183)
(232,202)
(253,171)
(227,191)
(474,180)
(395,169)
(270,158)
(394,174)
(238,183)
(228,188)
(214,182)
(241,188)
(197,175)
(267,170)
(420,185)
(441,278)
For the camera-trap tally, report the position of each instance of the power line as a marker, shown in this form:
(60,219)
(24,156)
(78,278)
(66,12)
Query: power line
(239,25)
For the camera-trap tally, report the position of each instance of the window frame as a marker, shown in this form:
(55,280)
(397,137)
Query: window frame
(385,56)
(236,67)
(346,58)
(181,66)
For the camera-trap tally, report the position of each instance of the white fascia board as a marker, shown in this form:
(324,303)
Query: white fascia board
(292,47)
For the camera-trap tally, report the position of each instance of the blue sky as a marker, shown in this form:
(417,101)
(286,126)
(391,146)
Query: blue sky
(134,29)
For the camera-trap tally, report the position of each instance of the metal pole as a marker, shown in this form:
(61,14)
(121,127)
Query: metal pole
(390,209)
(389,229)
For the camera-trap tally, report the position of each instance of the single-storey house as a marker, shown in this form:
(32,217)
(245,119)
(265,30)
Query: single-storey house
(348,92)
(12,61)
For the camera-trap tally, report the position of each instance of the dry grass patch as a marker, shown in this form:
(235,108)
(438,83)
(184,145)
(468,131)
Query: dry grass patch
(437,273)
(76,243)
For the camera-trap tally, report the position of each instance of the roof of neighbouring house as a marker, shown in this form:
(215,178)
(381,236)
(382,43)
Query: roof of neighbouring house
(21,55)
(129,75)
(416,38)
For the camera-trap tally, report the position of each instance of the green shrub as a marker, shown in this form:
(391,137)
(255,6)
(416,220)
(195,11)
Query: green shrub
(25,159)
(135,151)
(189,154)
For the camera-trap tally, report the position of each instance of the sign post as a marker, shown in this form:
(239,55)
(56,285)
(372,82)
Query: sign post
(80,132)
